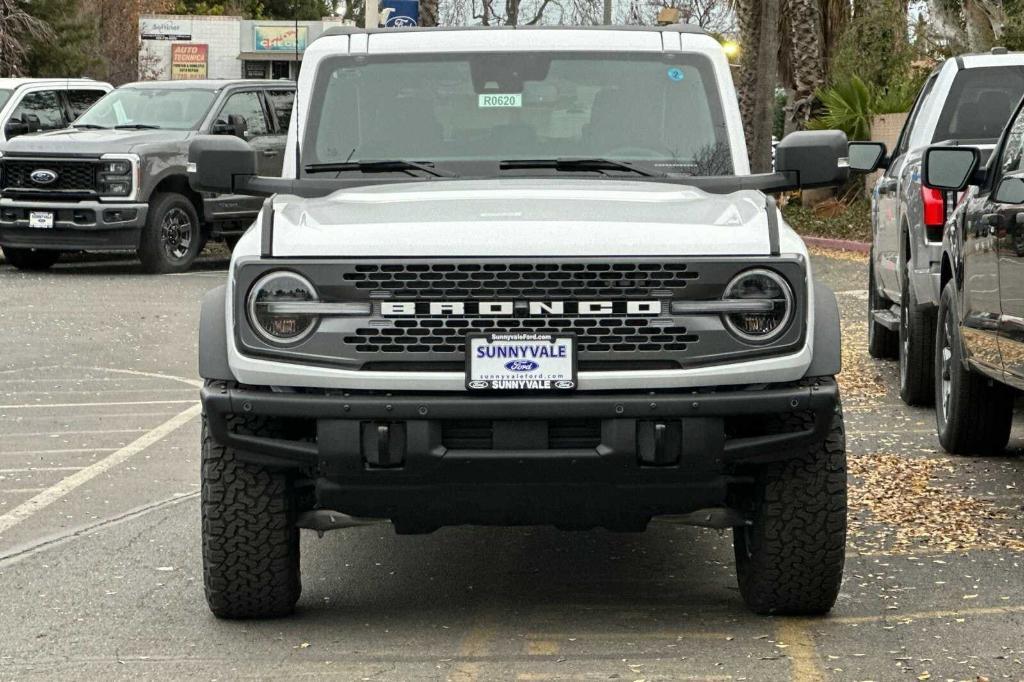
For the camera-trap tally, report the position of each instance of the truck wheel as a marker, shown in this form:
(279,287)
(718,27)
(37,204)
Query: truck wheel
(790,559)
(972,414)
(917,348)
(171,237)
(250,543)
(882,343)
(30,259)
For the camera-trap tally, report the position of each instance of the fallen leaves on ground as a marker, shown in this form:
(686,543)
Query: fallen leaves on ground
(897,504)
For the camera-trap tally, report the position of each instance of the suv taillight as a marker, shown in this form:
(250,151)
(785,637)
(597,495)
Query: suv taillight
(933,202)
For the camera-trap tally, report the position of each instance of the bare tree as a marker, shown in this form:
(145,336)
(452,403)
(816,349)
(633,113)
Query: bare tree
(17,29)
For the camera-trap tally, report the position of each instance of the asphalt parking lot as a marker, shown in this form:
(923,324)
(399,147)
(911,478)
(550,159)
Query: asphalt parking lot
(99,538)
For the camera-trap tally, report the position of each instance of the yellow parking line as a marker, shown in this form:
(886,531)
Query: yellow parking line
(795,635)
(542,647)
(926,615)
(645,635)
(476,643)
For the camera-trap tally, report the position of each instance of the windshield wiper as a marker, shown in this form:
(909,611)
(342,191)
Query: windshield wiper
(136,126)
(88,126)
(579,164)
(389,166)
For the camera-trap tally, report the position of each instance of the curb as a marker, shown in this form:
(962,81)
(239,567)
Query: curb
(837,244)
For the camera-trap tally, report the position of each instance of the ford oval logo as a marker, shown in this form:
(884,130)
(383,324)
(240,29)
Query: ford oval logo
(521,365)
(43,176)
(478,384)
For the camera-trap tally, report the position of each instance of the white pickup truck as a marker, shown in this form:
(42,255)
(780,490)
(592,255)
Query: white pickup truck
(520,277)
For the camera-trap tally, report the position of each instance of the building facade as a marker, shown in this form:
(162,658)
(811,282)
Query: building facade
(181,47)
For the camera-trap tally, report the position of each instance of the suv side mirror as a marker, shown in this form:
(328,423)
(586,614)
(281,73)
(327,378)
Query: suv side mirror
(216,163)
(867,157)
(236,125)
(14,128)
(1010,190)
(817,157)
(950,169)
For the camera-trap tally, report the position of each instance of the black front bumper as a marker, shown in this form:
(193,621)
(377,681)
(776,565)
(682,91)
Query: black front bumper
(77,226)
(581,459)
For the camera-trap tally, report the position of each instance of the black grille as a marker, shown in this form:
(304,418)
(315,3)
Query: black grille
(478,434)
(72,176)
(594,334)
(442,280)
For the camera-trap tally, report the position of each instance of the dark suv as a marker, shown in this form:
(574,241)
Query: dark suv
(116,180)
(979,340)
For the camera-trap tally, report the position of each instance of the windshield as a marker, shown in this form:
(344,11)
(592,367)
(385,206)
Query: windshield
(4,96)
(663,110)
(980,103)
(173,108)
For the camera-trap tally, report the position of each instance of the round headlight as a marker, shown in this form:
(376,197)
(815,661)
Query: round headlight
(270,313)
(760,285)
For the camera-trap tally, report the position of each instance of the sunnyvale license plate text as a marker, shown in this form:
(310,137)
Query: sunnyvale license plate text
(521,362)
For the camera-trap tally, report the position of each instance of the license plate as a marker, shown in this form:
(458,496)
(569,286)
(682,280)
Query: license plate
(40,219)
(520,362)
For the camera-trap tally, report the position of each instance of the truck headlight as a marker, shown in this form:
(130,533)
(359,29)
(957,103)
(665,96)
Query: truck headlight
(270,313)
(760,285)
(117,176)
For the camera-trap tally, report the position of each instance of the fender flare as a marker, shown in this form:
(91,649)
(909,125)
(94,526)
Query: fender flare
(828,339)
(213,342)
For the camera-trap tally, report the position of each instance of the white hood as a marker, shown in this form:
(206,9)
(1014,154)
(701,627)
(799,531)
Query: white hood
(523,217)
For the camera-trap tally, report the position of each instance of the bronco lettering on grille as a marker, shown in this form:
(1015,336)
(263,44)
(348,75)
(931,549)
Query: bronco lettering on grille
(517,308)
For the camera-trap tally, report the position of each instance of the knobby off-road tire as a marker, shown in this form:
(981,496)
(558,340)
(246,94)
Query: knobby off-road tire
(250,542)
(172,236)
(917,348)
(882,343)
(30,259)
(790,560)
(972,414)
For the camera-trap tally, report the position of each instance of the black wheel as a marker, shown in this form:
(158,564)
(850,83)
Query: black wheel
(30,259)
(250,542)
(172,237)
(789,561)
(917,348)
(882,343)
(972,414)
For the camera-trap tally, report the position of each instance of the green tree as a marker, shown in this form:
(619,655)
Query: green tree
(71,51)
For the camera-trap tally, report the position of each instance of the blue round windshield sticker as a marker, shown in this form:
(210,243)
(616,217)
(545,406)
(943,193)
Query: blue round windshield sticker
(675,73)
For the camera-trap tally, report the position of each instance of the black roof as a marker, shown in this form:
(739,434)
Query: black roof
(671,28)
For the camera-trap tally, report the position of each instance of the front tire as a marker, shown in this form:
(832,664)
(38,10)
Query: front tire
(882,343)
(789,561)
(172,236)
(972,414)
(917,348)
(250,542)
(33,260)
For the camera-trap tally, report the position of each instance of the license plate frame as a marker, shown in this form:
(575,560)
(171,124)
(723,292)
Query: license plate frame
(492,374)
(40,220)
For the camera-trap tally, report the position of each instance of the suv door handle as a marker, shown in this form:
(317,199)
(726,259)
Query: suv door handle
(886,187)
(991,221)
(270,152)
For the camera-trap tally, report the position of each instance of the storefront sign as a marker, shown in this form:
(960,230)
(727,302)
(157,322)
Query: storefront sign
(165,29)
(279,38)
(188,61)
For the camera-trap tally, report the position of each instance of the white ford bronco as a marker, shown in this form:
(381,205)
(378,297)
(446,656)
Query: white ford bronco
(520,276)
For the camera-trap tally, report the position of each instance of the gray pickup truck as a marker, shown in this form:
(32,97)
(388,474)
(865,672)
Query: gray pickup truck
(117,179)
(966,101)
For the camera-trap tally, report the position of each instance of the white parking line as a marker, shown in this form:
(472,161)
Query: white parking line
(58,434)
(54,493)
(29,470)
(54,452)
(113,404)
(151,375)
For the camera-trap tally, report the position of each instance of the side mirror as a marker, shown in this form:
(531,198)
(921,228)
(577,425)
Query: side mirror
(816,157)
(867,157)
(216,163)
(950,169)
(1010,190)
(14,128)
(235,125)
